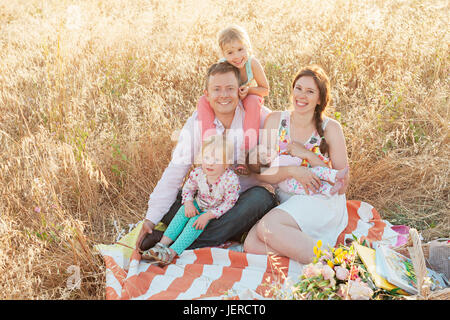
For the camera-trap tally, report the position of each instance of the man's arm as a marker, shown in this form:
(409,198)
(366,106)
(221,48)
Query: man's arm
(165,192)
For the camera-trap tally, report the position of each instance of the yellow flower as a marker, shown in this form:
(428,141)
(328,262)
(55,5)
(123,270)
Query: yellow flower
(338,251)
(330,263)
(339,258)
(319,243)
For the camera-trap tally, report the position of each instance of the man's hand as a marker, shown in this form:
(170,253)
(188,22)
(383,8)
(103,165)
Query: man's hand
(203,220)
(309,181)
(189,209)
(147,227)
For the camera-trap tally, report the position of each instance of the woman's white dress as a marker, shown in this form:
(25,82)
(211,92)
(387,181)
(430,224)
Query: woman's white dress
(319,216)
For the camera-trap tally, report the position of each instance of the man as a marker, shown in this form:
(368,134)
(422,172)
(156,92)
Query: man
(222,93)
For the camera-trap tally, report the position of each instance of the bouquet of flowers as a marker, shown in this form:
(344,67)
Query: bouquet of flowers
(334,274)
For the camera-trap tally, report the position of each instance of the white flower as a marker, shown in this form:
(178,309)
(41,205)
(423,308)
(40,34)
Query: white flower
(327,272)
(311,270)
(358,290)
(341,273)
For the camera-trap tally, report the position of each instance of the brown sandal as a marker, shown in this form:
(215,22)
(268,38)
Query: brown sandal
(159,253)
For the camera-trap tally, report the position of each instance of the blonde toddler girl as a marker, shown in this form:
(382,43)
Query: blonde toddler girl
(217,188)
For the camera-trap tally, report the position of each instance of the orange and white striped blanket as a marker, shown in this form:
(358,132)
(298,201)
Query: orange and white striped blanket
(220,273)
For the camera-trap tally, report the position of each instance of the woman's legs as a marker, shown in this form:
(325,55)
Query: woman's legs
(279,232)
(254,245)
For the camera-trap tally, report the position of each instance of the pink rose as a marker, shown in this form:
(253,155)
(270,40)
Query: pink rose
(341,273)
(311,270)
(327,272)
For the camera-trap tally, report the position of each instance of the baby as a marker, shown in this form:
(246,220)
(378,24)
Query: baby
(332,180)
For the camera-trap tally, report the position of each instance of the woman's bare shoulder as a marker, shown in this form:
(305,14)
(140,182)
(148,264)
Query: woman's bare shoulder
(333,131)
(333,126)
(272,119)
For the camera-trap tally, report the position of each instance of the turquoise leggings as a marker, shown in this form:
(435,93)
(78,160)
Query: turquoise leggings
(181,230)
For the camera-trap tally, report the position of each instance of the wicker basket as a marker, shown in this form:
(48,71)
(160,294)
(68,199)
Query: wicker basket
(417,252)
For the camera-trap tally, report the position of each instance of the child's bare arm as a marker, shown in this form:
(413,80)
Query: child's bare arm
(203,220)
(262,89)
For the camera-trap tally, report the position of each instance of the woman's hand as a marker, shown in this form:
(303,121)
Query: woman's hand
(203,220)
(298,150)
(345,183)
(189,209)
(309,181)
(243,91)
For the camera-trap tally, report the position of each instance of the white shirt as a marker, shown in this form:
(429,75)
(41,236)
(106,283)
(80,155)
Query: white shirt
(188,145)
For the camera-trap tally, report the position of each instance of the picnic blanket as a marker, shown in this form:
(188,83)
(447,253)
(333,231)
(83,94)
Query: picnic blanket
(225,272)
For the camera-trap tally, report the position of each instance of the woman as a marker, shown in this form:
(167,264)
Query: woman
(293,228)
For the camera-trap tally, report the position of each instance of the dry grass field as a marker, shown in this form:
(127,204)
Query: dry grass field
(91,90)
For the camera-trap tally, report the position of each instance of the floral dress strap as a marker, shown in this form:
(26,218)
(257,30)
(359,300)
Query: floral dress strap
(283,133)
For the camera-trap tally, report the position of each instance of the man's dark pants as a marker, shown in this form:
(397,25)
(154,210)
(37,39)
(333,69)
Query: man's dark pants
(251,206)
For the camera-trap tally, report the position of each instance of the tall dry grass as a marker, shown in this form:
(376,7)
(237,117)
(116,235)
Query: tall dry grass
(90,92)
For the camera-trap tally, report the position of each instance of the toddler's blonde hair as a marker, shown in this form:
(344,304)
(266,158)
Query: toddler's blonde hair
(221,144)
(232,33)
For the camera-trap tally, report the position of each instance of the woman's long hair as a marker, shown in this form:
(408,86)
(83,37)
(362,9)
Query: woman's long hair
(323,83)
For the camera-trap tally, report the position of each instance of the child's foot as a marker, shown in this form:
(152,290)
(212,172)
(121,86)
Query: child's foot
(340,175)
(334,189)
(160,253)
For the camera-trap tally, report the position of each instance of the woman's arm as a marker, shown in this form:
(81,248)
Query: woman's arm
(337,149)
(268,140)
(298,150)
(303,175)
(262,89)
